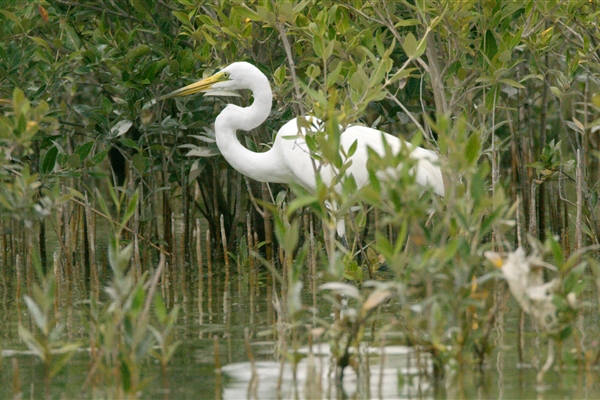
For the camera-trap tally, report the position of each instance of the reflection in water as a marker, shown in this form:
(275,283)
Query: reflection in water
(395,378)
(236,315)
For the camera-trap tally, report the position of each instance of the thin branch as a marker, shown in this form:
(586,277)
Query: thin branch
(530,32)
(292,65)
(109,218)
(100,9)
(365,15)
(253,199)
(62,121)
(413,119)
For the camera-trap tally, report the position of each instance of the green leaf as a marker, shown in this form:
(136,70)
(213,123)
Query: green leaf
(352,149)
(291,237)
(153,69)
(84,70)
(106,105)
(67,352)
(174,66)
(140,162)
(73,161)
(37,314)
(285,11)
(159,308)
(505,56)
(328,50)
(41,42)
(410,45)
(573,278)
(12,17)
(130,143)
(556,91)
(300,202)
(265,15)
(557,251)
(512,83)
(49,161)
(183,17)
(84,110)
(318,45)
(245,12)
(125,375)
(131,208)
(138,300)
(280,199)
(159,339)
(384,247)
(84,150)
(566,332)
(401,74)
(73,41)
(406,22)
(279,76)
(473,148)
(209,38)
(333,75)
(124,256)
(97,175)
(490,45)
(120,128)
(99,157)
(138,51)
(31,342)
(142,7)
(171,350)
(421,48)
(359,81)
(102,203)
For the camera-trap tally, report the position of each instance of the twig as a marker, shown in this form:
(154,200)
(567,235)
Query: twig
(253,199)
(109,218)
(529,32)
(100,9)
(290,58)
(426,134)
(71,123)
(579,217)
(548,364)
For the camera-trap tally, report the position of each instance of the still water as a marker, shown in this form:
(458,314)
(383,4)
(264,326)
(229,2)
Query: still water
(220,311)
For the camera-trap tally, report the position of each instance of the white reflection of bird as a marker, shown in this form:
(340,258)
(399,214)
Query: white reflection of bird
(288,160)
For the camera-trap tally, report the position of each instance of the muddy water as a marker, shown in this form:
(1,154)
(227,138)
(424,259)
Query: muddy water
(224,307)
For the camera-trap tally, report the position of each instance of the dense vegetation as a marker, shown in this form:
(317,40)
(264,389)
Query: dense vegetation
(506,92)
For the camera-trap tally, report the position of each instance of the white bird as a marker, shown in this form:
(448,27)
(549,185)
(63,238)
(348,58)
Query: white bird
(289,160)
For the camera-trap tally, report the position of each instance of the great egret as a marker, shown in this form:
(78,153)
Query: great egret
(289,160)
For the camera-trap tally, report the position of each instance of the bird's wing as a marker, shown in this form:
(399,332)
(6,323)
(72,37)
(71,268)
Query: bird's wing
(296,155)
(427,171)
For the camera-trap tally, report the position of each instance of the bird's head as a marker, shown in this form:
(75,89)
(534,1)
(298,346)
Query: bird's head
(237,76)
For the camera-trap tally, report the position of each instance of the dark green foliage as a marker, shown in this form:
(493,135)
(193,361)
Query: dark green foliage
(504,91)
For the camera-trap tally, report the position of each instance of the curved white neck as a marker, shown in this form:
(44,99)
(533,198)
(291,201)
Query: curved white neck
(262,167)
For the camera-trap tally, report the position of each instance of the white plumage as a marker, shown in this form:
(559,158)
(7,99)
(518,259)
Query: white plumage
(289,160)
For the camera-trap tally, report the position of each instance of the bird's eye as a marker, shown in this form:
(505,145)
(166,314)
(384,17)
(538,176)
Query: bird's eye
(226,74)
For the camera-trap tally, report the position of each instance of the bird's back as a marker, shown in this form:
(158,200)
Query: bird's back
(294,151)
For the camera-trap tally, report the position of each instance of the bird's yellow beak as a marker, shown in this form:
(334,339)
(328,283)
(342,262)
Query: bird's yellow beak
(200,86)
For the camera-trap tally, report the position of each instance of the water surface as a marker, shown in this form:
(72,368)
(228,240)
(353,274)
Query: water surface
(226,306)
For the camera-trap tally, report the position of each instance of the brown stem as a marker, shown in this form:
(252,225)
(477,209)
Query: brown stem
(108,218)
(298,108)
